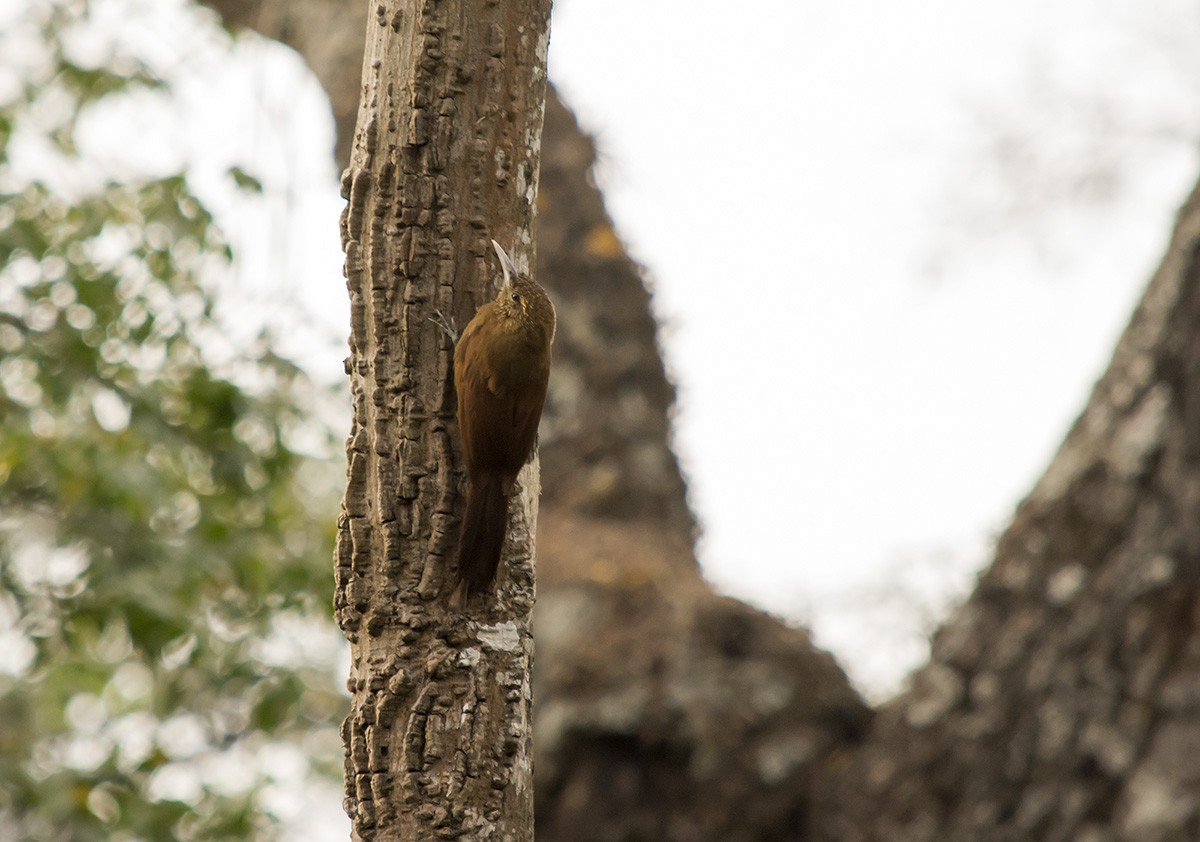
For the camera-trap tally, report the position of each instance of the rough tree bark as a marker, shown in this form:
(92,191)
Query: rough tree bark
(445,156)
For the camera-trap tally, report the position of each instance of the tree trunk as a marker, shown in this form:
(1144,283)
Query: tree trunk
(445,156)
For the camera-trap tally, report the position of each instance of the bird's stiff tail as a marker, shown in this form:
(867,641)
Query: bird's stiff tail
(482,538)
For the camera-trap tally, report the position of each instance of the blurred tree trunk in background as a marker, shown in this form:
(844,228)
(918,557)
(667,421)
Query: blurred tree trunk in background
(1063,700)
(444,157)
(1060,701)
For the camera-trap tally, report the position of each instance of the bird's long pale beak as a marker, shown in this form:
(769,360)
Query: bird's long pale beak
(506,265)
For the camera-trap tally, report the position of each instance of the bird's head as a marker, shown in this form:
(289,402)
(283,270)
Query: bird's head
(521,298)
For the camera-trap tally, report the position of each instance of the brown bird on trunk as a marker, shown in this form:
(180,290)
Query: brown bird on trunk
(501,367)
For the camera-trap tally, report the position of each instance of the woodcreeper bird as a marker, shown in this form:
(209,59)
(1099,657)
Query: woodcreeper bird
(501,368)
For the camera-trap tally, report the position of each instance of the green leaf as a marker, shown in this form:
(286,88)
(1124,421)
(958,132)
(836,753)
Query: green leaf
(245,181)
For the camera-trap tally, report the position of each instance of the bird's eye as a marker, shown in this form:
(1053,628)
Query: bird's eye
(516,298)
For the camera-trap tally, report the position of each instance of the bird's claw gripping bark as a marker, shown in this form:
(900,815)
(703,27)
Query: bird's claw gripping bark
(446,324)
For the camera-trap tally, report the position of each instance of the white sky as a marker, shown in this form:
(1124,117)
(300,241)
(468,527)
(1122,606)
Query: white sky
(854,431)
(781,170)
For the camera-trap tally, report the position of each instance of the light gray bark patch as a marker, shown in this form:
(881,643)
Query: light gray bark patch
(502,636)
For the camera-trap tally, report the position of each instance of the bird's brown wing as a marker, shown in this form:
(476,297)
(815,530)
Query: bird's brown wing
(525,418)
(500,400)
(469,384)
(498,429)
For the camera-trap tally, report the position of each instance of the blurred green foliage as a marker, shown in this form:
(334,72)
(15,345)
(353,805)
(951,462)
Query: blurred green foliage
(165,641)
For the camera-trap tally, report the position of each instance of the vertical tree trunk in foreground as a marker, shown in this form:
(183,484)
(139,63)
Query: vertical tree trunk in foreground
(445,157)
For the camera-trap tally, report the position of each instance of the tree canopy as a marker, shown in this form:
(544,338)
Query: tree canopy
(165,506)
